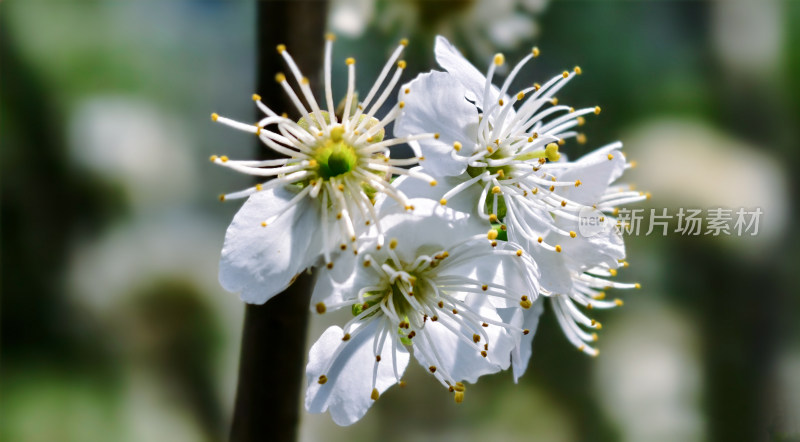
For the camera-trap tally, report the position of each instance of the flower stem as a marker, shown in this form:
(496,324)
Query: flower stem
(272,361)
(272,365)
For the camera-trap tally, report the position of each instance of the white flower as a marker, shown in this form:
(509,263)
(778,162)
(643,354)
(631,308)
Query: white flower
(321,194)
(498,156)
(439,289)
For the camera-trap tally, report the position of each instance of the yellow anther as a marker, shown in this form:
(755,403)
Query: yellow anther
(280,77)
(539,240)
(263,224)
(284,115)
(535,51)
(563,204)
(393,243)
(571,109)
(321,307)
(329,265)
(337,133)
(526,304)
(535,135)
(500,102)
(407,91)
(401,64)
(457,146)
(224,159)
(578,183)
(572,234)
(375,395)
(581,121)
(340,187)
(496,190)
(214,116)
(580,138)
(599,296)
(433,183)
(256,97)
(499,59)
(530,139)
(558,249)
(554,101)
(582,347)
(484,353)
(551,152)
(492,235)
(432,369)
(597,110)
(616,211)
(647,195)
(443,202)
(281,48)
(458,397)
(618,302)
(519,252)
(565,74)
(520,95)
(346,337)
(404,42)
(349,61)
(401,104)
(322,379)
(259,187)
(552,188)
(476,338)
(304,81)
(436,136)
(561,142)
(489,149)
(589,306)
(213,158)
(594,337)
(613,272)
(500,173)
(577,70)
(536,86)
(637,286)
(330,36)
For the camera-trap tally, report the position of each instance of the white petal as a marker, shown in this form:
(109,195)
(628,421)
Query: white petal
(462,361)
(436,104)
(595,171)
(464,201)
(462,70)
(343,281)
(349,386)
(261,261)
(521,354)
(429,228)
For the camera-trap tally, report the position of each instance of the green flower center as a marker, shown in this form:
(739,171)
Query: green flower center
(334,156)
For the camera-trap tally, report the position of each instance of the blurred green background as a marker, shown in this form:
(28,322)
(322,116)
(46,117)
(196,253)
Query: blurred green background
(114,326)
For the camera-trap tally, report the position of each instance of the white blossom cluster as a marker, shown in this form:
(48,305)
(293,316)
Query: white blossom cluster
(451,260)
